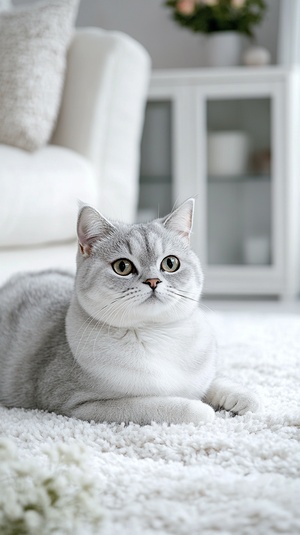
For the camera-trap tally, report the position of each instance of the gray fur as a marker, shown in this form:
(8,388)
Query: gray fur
(107,347)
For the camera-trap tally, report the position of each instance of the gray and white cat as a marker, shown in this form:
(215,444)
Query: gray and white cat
(128,341)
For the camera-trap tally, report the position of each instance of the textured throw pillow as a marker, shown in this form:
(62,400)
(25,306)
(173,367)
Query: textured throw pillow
(5,5)
(33,47)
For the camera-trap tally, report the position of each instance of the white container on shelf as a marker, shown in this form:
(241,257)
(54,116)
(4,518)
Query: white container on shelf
(227,153)
(257,250)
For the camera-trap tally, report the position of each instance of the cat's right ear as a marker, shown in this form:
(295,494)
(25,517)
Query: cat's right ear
(91,227)
(181,219)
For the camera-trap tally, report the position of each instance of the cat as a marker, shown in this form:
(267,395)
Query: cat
(126,340)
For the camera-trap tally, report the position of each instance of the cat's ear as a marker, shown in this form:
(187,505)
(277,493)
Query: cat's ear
(91,227)
(181,219)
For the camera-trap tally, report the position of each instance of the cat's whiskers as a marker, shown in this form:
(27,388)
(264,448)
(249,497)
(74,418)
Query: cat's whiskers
(185,293)
(172,291)
(136,297)
(131,298)
(91,318)
(110,309)
(104,323)
(88,322)
(111,316)
(113,309)
(180,305)
(202,305)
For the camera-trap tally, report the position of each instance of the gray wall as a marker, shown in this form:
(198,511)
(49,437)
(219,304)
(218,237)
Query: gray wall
(169,45)
(149,21)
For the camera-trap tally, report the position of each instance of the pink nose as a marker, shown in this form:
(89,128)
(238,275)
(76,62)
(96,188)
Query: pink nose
(152,283)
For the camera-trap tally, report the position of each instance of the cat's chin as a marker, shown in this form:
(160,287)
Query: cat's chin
(153,299)
(153,311)
(150,312)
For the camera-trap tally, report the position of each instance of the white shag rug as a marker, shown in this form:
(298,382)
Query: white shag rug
(234,476)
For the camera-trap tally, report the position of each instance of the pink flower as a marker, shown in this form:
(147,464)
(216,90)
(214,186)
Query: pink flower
(186,7)
(238,3)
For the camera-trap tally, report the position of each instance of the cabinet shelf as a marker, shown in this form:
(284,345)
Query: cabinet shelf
(244,179)
(156,179)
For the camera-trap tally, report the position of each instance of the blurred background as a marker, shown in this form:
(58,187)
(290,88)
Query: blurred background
(219,132)
(225,131)
(150,22)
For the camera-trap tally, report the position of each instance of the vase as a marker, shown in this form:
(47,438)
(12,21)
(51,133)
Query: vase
(223,49)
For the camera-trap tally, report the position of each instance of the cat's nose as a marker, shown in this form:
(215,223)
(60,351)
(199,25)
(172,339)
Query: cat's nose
(152,283)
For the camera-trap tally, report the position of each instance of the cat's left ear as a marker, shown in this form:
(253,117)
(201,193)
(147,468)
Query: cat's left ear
(181,219)
(91,227)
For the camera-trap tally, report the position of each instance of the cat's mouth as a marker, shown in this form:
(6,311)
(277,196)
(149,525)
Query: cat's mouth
(152,298)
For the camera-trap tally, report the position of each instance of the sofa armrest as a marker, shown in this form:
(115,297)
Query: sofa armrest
(102,112)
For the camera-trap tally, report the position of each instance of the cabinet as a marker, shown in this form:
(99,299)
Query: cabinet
(231,139)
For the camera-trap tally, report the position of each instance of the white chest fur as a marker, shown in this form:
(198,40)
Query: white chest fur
(176,359)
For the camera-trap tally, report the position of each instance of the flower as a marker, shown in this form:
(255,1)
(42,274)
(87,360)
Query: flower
(208,16)
(238,3)
(210,2)
(185,7)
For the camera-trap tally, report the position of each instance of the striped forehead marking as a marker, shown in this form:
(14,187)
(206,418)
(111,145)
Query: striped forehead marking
(144,240)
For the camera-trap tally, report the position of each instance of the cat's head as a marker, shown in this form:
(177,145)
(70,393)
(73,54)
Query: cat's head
(128,275)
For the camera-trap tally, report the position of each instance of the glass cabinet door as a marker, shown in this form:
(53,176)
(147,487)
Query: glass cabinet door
(156,187)
(239,181)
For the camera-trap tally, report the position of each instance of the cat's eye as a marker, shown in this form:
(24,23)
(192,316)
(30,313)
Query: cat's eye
(123,267)
(170,264)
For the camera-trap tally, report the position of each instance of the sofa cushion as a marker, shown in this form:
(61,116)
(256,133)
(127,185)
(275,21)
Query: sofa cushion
(40,193)
(33,48)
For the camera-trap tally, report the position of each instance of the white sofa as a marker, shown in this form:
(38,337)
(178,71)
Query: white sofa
(93,155)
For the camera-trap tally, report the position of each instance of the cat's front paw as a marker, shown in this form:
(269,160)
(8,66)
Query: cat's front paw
(224,394)
(198,412)
(239,402)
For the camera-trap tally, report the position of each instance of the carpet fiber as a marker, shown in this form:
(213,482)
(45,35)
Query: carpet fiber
(237,475)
